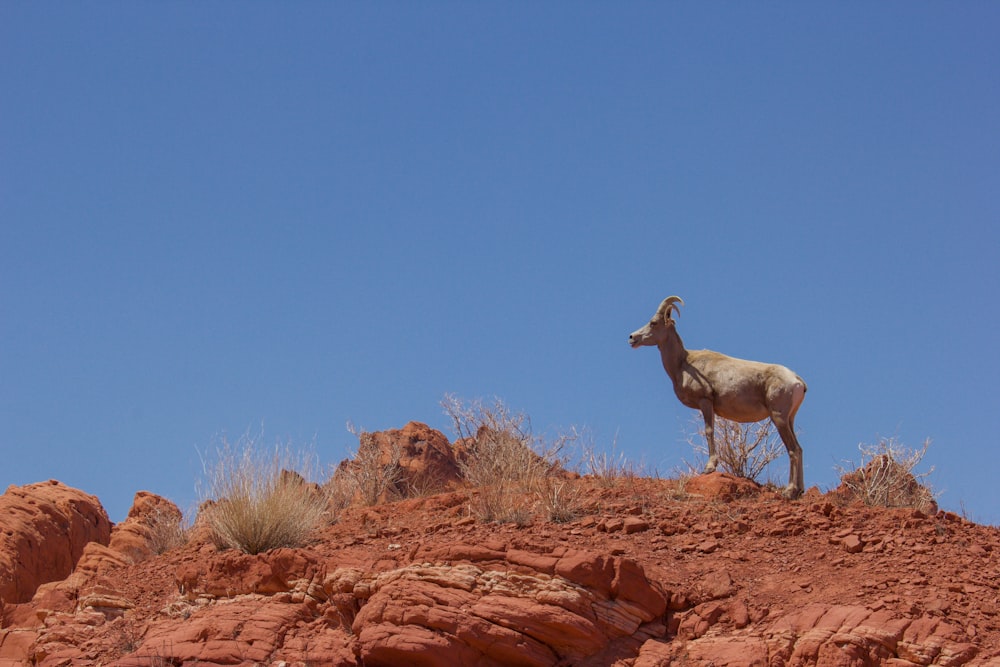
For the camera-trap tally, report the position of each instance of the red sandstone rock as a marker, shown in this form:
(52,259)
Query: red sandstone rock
(425,456)
(141,535)
(473,614)
(234,573)
(852,544)
(417,583)
(44,528)
(722,486)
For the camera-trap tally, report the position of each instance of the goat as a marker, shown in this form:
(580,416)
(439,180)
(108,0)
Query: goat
(735,389)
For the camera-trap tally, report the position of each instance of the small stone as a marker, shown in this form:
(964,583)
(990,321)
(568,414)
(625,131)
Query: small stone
(635,525)
(670,528)
(717,585)
(614,525)
(938,605)
(708,546)
(739,614)
(852,544)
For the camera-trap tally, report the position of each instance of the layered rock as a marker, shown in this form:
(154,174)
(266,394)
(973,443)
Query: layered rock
(649,576)
(45,529)
(819,634)
(464,605)
(502,608)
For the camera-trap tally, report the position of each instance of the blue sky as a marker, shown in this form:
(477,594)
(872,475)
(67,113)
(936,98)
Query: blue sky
(218,216)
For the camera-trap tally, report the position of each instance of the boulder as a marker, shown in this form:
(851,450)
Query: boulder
(152,523)
(45,529)
(425,457)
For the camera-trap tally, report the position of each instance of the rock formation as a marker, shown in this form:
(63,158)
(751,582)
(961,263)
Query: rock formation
(45,528)
(651,573)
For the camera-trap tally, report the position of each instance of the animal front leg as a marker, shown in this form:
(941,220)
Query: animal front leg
(708,412)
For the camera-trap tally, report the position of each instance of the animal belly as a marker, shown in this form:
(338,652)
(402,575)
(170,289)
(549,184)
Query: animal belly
(742,413)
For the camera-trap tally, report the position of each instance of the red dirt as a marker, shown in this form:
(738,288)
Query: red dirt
(718,572)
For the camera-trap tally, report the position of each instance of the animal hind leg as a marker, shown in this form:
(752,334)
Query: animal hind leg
(786,430)
(708,412)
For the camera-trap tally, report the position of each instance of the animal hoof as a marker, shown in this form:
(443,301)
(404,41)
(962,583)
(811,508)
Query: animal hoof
(791,492)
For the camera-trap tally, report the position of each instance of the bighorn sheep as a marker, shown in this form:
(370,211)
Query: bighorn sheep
(735,389)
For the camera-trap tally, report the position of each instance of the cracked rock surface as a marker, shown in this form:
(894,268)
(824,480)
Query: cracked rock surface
(649,573)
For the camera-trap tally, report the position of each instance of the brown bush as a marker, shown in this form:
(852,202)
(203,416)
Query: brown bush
(507,465)
(885,477)
(744,450)
(372,472)
(257,502)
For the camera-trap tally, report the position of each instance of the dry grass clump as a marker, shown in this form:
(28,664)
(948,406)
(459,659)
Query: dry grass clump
(256,499)
(372,473)
(744,450)
(559,500)
(885,476)
(167,530)
(512,470)
(609,468)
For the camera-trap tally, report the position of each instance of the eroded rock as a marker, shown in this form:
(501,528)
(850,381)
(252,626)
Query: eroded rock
(45,529)
(483,613)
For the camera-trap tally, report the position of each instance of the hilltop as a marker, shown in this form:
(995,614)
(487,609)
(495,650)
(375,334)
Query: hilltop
(713,570)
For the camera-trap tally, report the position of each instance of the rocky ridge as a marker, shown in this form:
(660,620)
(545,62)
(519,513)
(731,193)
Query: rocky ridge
(652,572)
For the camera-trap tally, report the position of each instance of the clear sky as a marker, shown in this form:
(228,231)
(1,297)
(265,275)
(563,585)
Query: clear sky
(217,216)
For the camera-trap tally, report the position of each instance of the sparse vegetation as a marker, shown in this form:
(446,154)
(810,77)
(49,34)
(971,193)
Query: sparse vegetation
(256,499)
(559,499)
(509,467)
(340,492)
(373,474)
(126,635)
(609,468)
(885,476)
(167,530)
(745,450)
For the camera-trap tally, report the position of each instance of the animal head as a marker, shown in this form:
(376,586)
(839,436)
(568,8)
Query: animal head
(655,332)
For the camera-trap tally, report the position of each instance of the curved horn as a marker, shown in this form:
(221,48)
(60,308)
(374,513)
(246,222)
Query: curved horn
(669,304)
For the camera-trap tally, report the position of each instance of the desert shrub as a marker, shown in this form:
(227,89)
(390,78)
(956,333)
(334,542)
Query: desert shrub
(559,499)
(744,450)
(373,474)
(167,530)
(340,490)
(508,466)
(255,499)
(609,468)
(885,476)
